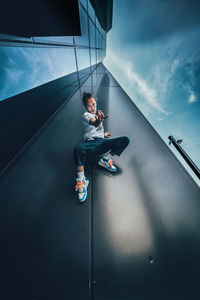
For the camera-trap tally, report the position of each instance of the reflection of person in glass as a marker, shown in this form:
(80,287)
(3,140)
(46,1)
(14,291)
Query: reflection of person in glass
(97,142)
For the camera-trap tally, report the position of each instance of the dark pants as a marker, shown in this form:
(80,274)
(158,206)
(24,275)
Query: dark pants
(97,147)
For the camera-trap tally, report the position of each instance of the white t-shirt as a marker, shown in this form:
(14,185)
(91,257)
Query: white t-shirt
(90,131)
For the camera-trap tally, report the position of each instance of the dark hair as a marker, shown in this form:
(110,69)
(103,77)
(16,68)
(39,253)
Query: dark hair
(86,97)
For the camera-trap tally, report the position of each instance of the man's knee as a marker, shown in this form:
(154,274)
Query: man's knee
(78,149)
(125,140)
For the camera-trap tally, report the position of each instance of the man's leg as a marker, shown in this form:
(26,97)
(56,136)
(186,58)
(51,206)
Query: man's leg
(109,148)
(82,182)
(80,172)
(98,147)
(118,145)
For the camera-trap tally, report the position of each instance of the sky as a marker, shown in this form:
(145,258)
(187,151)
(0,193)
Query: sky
(153,52)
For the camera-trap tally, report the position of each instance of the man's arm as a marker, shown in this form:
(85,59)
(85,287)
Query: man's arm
(98,119)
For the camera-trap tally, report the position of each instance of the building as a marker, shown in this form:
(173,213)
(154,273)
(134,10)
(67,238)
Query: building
(136,237)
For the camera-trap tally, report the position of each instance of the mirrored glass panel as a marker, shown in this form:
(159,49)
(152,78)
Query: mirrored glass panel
(22,69)
(97,39)
(97,23)
(104,35)
(84,74)
(103,44)
(82,40)
(104,53)
(91,11)
(98,56)
(88,83)
(93,67)
(100,41)
(83,58)
(6,37)
(63,40)
(92,34)
(84,3)
(101,31)
(93,56)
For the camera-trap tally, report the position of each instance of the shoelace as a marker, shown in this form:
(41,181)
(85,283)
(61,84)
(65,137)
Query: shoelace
(110,163)
(79,185)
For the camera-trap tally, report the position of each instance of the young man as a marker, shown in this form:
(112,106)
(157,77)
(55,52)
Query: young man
(97,142)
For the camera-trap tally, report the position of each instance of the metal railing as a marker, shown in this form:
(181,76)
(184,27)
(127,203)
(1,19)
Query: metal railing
(184,155)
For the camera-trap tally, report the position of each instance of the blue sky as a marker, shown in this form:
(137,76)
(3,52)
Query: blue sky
(153,51)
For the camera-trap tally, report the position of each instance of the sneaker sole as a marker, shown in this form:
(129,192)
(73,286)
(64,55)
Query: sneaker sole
(105,166)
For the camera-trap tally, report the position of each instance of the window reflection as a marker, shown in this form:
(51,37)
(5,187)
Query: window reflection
(98,56)
(91,11)
(93,56)
(33,67)
(66,40)
(40,65)
(92,34)
(93,67)
(84,3)
(83,58)
(14,38)
(97,24)
(97,39)
(82,40)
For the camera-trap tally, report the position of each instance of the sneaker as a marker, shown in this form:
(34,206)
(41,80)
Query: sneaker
(81,188)
(108,164)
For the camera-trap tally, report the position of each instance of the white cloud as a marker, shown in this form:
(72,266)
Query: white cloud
(192,98)
(164,71)
(124,68)
(174,66)
(13,79)
(14,75)
(48,64)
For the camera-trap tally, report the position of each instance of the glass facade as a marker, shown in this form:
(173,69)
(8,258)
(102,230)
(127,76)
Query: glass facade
(48,61)
(38,74)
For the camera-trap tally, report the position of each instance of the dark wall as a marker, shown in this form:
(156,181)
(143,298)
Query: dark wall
(104,11)
(138,228)
(23,115)
(40,18)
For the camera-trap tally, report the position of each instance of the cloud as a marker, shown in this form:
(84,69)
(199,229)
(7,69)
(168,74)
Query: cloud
(165,70)
(14,75)
(192,98)
(174,66)
(124,68)
(161,19)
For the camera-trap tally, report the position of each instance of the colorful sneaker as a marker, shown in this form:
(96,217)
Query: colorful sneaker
(108,164)
(81,188)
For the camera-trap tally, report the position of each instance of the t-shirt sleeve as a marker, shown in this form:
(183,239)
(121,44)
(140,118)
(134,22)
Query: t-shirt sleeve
(86,118)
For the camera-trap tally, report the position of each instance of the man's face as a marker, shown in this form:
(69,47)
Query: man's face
(91,106)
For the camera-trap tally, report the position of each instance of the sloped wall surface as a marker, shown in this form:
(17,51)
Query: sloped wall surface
(136,236)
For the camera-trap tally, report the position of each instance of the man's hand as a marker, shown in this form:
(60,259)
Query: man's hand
(99,117)
(107,134)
